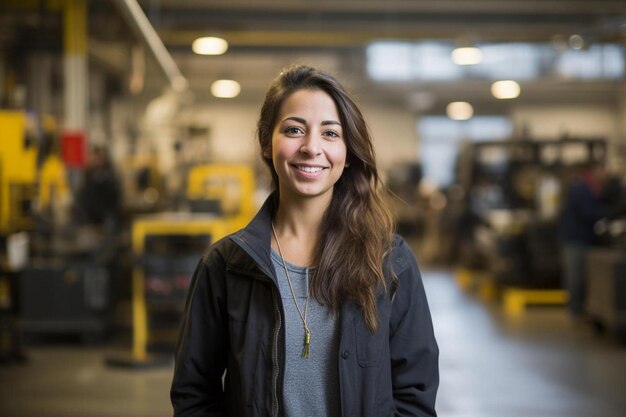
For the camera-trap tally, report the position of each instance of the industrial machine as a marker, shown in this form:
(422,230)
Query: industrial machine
(513,191)
(61,285)
(606,275)
(18,158)
(167,248)
(18,163)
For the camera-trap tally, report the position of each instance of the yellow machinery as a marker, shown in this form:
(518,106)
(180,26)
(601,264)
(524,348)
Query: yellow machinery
(18,163)
(53,184)
(26,189)
(233,187)
(21,181)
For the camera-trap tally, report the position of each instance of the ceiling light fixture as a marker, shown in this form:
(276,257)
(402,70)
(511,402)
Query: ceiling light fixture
(467,56)
(506,89)
(225,88)
(209,45)
(576,42)
(459,110)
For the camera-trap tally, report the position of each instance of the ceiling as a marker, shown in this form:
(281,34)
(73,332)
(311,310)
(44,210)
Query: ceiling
(265,35)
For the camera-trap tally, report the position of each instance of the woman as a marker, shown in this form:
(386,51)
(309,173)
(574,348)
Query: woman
(315,308)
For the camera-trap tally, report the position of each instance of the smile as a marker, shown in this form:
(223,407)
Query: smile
(309,169)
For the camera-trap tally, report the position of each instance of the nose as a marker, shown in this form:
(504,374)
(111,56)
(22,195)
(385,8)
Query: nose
(311,144)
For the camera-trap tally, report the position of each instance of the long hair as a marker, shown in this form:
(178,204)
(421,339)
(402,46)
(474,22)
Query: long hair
(358,226)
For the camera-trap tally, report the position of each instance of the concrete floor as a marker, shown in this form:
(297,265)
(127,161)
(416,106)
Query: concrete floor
(540,365)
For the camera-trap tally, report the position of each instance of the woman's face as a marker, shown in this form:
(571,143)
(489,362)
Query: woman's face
(308,147)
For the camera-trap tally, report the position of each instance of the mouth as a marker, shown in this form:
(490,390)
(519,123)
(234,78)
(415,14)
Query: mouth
(309,169)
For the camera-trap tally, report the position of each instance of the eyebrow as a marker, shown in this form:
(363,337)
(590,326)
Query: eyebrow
(303,121)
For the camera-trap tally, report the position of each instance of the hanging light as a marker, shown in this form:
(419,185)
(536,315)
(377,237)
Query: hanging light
(225,88)
(506,89)
(576,41)
(209,45)
(459,110)
(467,56)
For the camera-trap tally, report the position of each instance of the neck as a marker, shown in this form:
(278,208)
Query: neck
(298,226)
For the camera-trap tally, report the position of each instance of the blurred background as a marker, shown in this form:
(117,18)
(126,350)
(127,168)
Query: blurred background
(127,146)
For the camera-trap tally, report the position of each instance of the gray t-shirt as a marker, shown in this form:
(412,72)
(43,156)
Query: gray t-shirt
(311,386)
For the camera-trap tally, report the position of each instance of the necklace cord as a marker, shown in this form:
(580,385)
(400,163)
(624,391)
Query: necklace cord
(307,331)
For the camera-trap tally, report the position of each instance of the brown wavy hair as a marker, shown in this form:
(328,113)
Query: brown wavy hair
(358,225)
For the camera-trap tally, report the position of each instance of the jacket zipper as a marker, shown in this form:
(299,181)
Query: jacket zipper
(275,360)
(276,369)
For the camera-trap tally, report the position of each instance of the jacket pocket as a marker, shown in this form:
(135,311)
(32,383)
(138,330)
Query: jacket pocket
(368,345)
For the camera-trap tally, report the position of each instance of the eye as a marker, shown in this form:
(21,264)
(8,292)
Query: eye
(332,134)
(293,130)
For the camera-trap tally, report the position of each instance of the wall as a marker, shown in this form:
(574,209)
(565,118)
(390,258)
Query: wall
(394,133)
(232,130)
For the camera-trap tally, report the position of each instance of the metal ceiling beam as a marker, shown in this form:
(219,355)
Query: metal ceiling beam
(558,7)
(131,10)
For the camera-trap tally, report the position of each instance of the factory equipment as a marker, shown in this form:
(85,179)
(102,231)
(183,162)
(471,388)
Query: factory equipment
(18,163)
(167,247)
(63,285)
(18,159)
(513,193)
(606,290)
(60,297)
(606,266)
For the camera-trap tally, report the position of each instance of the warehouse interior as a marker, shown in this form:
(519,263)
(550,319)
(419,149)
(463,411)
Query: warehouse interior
(127,147)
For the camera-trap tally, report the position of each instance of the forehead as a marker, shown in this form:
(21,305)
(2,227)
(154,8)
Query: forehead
(311,102)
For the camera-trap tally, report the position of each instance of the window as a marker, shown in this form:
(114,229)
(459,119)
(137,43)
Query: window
(431,61)
(441,138)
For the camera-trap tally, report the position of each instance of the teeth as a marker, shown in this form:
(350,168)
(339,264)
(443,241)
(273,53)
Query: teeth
(310,169)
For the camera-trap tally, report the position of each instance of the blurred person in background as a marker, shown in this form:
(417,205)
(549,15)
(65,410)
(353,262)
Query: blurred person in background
(315,308)
(582,208)
(99,198)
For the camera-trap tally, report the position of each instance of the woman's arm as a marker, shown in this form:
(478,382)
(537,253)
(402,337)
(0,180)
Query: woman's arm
(414,351)
(202,349)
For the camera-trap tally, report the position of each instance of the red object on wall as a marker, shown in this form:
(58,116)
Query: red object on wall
(73,149)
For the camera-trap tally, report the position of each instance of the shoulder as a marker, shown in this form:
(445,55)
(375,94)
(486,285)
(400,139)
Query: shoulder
(402,256)
(218,253)
(408,298)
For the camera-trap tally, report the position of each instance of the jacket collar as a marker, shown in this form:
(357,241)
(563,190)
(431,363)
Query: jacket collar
(255,239)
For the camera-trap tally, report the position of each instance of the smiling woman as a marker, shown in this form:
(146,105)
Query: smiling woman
(308,149)
(315,308)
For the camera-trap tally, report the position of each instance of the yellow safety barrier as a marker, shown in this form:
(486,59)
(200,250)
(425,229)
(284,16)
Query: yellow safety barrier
(515,300)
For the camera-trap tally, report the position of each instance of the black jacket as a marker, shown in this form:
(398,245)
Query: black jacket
(234,321)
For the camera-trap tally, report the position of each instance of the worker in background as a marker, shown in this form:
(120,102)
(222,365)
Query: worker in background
(99,198)
(582,208)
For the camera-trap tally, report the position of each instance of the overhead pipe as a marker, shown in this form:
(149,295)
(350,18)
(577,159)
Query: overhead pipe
(133,13)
